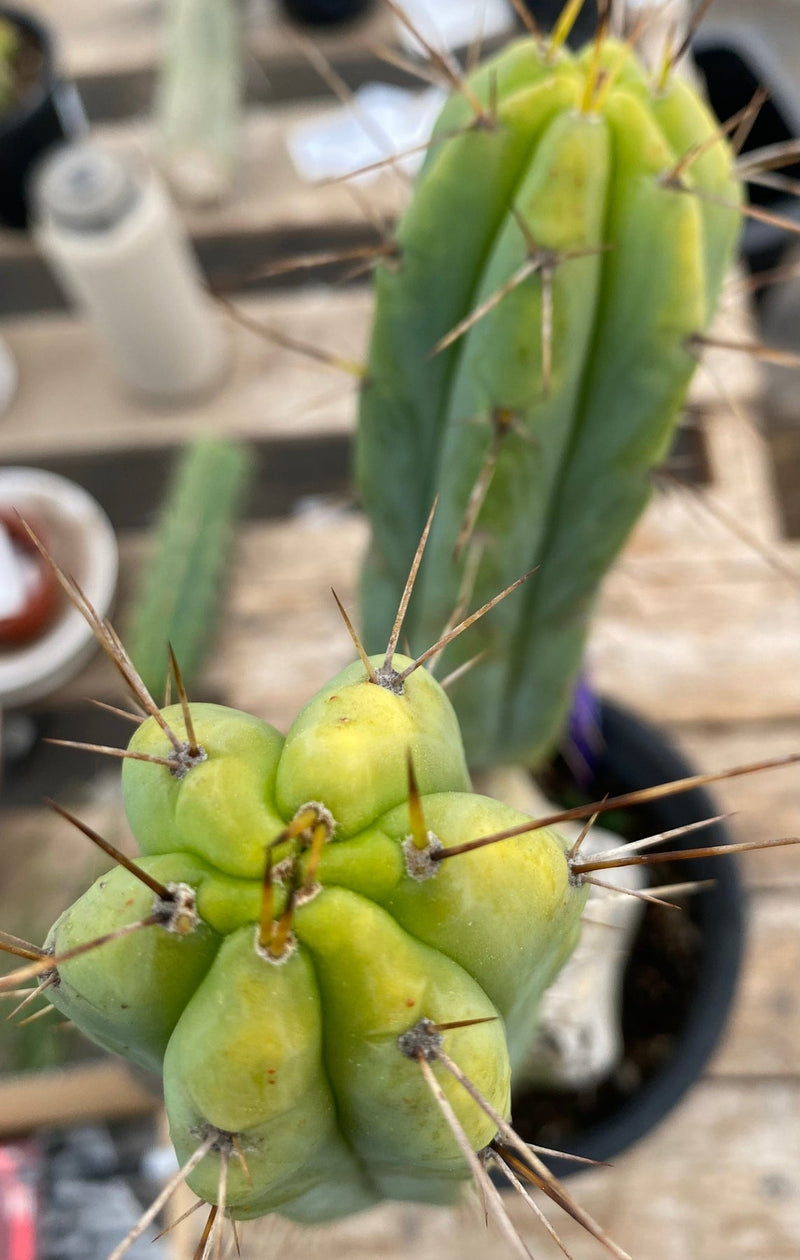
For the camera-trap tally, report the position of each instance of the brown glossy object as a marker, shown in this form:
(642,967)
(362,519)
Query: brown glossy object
(41,603)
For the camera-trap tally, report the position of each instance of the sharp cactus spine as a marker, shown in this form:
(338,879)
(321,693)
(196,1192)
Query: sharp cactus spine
(529,355)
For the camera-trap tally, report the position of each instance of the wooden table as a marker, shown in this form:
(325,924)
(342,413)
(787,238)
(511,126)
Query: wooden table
(696,629)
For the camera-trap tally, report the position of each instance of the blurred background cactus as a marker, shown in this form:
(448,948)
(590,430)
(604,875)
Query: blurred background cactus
(533,342)
(199,97)
(179,600)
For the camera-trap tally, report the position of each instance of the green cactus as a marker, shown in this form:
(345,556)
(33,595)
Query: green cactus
(178,598)
(198,102)
(300,935)
(531,348)
(322,930)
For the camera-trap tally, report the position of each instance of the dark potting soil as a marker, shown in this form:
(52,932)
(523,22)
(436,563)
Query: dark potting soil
(659,986)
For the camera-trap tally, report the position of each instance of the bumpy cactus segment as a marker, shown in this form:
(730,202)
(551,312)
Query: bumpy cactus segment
(131,1002)
(267,1046)
(325,928)
(324,750)
(524,886)
(222,810)
(560,252)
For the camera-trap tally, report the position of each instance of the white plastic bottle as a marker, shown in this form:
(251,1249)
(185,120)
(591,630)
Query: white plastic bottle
(114,241)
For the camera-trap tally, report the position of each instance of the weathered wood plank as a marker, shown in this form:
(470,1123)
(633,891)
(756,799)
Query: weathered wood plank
(107,1090)
(113,47)
(281,628)
(766,806)
(78,404)
(763,1038)
(70,401)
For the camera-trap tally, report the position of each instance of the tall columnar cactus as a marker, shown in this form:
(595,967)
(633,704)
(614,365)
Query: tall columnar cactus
(532,345)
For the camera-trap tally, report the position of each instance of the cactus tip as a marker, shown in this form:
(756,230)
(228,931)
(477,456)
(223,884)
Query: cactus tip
(563,27)
(207,1237)
(637,893)
(525,14)
(184,1216)
(587,827)
(679,855)
(18,948)
(238,1150)
(672,57)
(420,846)
(164,1196)
(419,832)
(31,996)
(452,678)
(639,797)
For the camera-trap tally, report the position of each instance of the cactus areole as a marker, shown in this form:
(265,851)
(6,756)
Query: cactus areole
(532,345)
(310,943)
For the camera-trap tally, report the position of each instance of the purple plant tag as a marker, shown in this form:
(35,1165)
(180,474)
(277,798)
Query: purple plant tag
(583,743)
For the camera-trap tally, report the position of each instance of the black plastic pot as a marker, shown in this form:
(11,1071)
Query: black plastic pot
(734,64)
(702,962)
(49,112)
(324,12)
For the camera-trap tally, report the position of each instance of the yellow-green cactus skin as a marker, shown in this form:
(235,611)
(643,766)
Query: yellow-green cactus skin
(308,928)
(531,348)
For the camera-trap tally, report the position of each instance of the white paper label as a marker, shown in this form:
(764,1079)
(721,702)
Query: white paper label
(13,586)
(453,23)
(381,122)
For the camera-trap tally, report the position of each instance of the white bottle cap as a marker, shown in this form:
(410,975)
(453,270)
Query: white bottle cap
(85,189)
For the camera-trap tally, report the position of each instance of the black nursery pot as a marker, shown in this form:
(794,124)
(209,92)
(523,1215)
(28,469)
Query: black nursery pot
(735,63)
(682,973)
(324,12)
(49,111)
